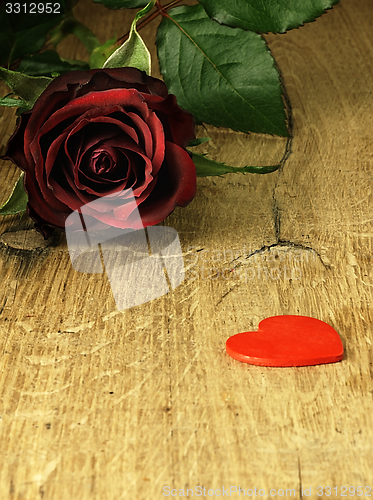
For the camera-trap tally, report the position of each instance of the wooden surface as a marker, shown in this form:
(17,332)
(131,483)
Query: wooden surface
(103,404)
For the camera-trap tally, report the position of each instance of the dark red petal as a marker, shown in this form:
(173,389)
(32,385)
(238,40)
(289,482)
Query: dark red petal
(100,133)
(52,211)
(68,86)
(34,151)
(157,131)
(54,150)
(100,102)
(15,146)
(102,79)
(145,132)
(126,78)
(176,186)
(177,122)
(99,185)
(116,169)
(53,98)
(76,93)
(38,207)
(42,226)
(75,144)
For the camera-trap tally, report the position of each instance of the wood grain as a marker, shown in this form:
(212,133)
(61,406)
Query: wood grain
(103,404)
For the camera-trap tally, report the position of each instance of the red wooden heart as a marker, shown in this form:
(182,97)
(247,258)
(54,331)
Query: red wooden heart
(287,341)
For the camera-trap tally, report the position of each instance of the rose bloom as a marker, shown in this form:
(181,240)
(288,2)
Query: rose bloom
(104,133)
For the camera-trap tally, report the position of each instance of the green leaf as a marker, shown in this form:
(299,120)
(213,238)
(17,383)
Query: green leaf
(24,16)
(71,26)
(101,54)
(276,16)
(16,45)
(23,33)
(122,4)
(10,102)
(22,109)
(223,76)
(85,35)
(60,32)
(47,63)
(26,87)
(206,167)
(133,52)
(197,142)
(17,201)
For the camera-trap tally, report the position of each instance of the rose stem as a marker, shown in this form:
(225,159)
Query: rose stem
(160,10)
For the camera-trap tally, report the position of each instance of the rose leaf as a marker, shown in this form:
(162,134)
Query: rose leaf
(276,16)
(196,142)
(17,201)
(11,102)
(85,35)
(206,167)
(122,4)
(225,77)
(133,52)
(21,32)
(26,87)
(100,54)
(49,63)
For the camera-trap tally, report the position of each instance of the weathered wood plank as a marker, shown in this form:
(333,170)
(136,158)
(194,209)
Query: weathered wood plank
(100,403)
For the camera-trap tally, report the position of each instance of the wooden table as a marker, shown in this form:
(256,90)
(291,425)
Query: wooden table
(103,404)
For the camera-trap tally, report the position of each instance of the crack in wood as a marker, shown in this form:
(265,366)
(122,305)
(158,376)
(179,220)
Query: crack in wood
(300,479)
(287,243)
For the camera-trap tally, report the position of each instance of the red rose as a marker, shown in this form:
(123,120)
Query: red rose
(94,134)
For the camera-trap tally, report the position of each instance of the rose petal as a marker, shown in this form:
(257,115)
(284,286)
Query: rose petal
(73,150)
(157,132)
(53,144)
(179,124)
(98,101)
(145,132)
(176,187)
